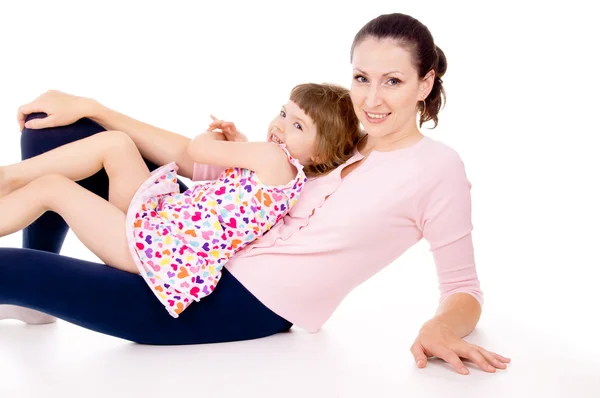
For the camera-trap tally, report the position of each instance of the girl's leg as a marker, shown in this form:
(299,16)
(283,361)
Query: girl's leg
(120,304)
(48,232)
(98,224)
(112,151)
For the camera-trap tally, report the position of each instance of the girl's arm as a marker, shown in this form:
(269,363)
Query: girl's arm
(266,159)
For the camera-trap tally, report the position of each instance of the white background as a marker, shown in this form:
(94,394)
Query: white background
(522,87)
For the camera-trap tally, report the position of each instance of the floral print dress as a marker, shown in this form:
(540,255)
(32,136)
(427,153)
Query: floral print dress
(181,241)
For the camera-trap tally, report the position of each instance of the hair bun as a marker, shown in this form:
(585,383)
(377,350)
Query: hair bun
(442,65)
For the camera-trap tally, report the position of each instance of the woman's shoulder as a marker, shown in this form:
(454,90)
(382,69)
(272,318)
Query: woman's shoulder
(441,151)
(438,166)
(435,156)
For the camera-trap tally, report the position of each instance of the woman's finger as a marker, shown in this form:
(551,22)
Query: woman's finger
(419,355)
(453,359)
(492,359)
(42,123)
(473,354)
(21,120)
(500,357)
(26,110)
(496,356)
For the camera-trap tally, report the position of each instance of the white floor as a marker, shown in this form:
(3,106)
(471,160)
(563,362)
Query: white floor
(520,127)
(363,351)
(365,361)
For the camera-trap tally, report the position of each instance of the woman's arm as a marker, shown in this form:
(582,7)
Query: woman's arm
(155,144)
(444,217)
(460,312)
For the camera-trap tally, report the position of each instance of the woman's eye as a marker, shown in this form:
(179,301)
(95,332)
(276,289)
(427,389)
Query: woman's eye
(298,126)
(360,79)
(393,81)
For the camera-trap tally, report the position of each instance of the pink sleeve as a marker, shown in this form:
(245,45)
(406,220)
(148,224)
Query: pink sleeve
(445,221)
(206,172)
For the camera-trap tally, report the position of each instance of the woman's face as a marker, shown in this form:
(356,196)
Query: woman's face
(385,87)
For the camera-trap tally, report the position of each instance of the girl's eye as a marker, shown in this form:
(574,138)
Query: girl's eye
(298,126)
(282,113)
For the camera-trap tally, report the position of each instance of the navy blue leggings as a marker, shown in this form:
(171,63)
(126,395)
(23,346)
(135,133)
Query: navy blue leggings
(107,300)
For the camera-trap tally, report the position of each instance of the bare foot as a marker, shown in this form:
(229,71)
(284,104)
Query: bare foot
(26,315)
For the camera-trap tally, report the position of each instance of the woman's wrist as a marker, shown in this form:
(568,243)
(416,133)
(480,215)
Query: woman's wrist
(94,110)
(460,313)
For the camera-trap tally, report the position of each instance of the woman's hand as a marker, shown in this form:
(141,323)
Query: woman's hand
(437,339)
(229,130)
(62,109)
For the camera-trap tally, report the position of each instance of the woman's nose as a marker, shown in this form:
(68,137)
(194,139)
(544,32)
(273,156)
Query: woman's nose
(373,97)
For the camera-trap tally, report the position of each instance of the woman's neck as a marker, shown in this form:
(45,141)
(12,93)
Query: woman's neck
(389,142)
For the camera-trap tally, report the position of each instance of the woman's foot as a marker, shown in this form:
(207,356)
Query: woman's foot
(26,315)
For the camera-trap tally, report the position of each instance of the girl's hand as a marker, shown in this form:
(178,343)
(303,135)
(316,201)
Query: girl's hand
(436,339)
(62,109)
(229,130)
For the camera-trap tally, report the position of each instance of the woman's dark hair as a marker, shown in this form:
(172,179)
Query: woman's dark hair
(413,36)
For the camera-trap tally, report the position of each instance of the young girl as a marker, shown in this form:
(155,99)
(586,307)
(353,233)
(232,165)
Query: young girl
(179,242)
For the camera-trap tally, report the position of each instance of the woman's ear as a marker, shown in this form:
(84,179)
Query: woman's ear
(426,84)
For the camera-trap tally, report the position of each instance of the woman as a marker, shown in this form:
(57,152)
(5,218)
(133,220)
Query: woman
(336,237)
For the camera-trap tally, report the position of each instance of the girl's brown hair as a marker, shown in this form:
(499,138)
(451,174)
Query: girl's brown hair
(338,128)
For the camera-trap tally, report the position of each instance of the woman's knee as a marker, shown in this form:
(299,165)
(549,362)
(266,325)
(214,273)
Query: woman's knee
(37,141)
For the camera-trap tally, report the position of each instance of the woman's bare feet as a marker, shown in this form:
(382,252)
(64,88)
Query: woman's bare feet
(26,315)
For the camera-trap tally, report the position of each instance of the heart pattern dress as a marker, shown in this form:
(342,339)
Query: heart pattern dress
(181,241)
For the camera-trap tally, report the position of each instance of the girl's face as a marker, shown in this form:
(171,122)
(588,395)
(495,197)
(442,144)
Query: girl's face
(296,130)
(386,87)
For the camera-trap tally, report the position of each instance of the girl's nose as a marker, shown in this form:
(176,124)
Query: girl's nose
(277,127)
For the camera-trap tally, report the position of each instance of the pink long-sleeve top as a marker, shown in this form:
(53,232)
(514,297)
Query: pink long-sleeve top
(343,231)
